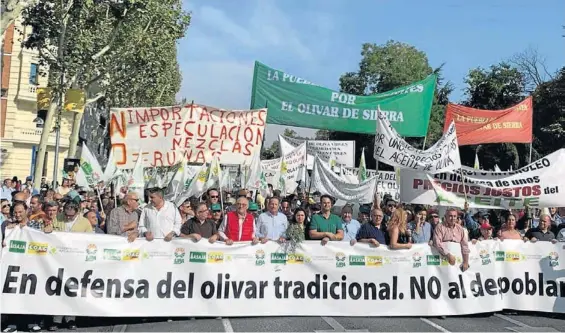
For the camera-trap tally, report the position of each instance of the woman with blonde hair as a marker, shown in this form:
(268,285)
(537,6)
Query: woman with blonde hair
(398,232)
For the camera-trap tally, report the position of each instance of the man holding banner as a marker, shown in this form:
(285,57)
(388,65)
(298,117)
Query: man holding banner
(159,219)
(450,231)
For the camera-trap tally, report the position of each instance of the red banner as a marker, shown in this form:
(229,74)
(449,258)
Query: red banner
(475,126)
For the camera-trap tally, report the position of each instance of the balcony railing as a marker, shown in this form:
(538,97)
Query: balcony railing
(33,136)
(28,93)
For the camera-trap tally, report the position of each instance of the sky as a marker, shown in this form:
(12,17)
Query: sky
(319,40)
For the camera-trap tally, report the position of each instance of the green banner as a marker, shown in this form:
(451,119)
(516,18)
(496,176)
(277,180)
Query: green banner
(294,101)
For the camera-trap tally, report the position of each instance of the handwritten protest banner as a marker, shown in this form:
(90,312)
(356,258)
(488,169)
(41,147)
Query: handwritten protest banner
(165,134)
(96,275)
(392,149)
(476,126)
(539,184)
(294,101)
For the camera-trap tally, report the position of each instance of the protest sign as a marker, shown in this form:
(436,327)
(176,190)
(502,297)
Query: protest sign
(344,151)
(291,167)
(386,181)
(476,126)
(327,182)
(393,150)
(539,184)
(95,275)
(293,101)
(198,132)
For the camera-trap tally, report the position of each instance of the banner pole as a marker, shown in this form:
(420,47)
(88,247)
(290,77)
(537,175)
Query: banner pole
(424,145)
(463,181)
(221,192)
(531,148)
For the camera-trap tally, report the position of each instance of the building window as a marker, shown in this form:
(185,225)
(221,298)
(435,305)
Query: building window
(34,74)
(4,92)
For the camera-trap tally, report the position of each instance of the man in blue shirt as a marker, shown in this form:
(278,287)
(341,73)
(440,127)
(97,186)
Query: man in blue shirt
(372,233)
(350,225)
(272,224)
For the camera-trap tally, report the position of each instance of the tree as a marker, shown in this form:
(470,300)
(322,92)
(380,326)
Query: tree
(533,65)
(549,120)
(322,135)
(386,67)
(499,87)
(123,50)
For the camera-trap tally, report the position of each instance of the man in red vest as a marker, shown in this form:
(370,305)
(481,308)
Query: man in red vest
(238,226)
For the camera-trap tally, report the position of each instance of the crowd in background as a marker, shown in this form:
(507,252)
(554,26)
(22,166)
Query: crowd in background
(244,216)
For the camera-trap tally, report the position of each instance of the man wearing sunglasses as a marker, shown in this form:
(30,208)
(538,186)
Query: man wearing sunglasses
(123,220)
(389,210)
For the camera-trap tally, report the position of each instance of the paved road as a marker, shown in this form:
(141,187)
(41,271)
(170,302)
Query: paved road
(522,322)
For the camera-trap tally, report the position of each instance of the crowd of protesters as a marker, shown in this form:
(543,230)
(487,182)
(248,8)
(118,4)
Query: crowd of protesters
(241,217)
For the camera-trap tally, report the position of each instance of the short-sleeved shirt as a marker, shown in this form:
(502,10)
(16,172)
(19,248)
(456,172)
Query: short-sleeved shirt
(206,229)
(321,224)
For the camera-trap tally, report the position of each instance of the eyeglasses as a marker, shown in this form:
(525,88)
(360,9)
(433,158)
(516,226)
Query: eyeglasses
(213,197)
(4,206)
(390,206)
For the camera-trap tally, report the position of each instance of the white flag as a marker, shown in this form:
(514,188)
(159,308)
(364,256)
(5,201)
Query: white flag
(89,168)
(136,181)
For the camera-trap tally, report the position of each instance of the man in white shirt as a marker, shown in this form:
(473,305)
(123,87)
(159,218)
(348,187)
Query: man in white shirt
(159,219)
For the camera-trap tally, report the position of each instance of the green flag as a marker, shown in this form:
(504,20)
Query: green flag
(293,101)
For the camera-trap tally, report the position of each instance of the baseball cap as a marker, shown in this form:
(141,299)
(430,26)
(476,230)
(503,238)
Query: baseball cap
(253,206)
(216,207)
(486,226)
(365,209)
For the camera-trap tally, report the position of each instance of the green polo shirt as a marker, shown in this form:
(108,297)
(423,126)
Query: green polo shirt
(321,224)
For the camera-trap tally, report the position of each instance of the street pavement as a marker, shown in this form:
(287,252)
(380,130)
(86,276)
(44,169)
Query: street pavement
(499,322)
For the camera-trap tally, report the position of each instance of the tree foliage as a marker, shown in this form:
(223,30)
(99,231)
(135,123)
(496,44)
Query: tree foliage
(123,50)
(549,115)
(386,67)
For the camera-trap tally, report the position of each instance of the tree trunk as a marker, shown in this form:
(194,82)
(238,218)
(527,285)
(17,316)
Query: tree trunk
(43,142)
(73,140)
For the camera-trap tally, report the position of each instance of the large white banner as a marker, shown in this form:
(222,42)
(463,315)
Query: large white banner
(292,166)
(386,181)
(328,182)
(165,134)
(392,149)
(101,275)
(539,184)
(344,151)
